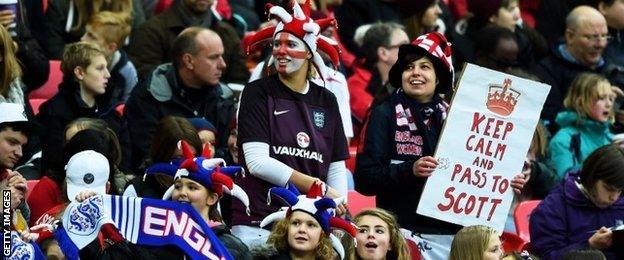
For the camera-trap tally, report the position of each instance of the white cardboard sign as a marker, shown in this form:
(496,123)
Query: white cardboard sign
(483,145)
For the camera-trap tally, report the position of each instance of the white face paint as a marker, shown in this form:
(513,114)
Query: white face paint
(289,53)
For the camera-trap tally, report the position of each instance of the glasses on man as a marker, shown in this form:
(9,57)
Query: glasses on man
(597,37)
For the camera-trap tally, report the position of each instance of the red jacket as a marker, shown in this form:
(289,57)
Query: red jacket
(360,98)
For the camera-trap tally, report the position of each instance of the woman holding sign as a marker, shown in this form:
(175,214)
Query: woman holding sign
(396,157)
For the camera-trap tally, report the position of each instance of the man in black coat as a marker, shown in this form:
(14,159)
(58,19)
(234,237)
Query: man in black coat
(188,87)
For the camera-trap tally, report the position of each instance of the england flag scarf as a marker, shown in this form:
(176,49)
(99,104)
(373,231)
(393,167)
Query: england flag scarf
(141,221)
(21,250)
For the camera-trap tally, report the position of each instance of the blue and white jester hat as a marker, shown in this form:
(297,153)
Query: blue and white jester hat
(315,204)
(205,170)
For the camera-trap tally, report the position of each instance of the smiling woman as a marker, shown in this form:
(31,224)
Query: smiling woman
(290,129)
(394,167)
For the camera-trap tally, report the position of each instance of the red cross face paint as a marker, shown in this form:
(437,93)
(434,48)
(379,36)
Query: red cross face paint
(289,53)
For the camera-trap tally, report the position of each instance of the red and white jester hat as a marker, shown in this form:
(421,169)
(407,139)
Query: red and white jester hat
(301,26)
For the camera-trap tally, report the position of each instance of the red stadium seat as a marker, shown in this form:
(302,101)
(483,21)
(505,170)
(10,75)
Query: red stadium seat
(162,5)
(521,218)
(512,242)
(358,202)
(49,88)
(31,185)
(44,5)
(120,109)
(351,161)
(35,103)
(413,249)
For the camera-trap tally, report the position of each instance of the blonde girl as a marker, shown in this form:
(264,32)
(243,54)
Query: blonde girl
(584,122)
(10,83)
(379,236)
(476,243)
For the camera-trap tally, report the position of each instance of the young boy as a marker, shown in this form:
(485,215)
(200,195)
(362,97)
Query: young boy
(109,30)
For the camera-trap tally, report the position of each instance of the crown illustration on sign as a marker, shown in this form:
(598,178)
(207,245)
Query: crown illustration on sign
(502,99)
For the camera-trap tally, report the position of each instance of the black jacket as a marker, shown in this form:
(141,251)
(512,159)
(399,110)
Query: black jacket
(163,95)
(63,108)
(34,62)
(381,171)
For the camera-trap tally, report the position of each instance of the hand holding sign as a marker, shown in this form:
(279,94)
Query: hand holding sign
(518,183)
(424,166)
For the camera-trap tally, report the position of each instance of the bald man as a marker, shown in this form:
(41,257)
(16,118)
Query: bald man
(586,37)
(188,87)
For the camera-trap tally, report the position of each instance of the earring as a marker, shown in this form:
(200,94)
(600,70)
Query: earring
(437,81)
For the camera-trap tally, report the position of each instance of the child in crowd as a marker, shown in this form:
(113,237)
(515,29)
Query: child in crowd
(207,132)
(48,191)
(584,124)
(65,20)
(109,30)
(88,167)
(201,184)
(476,243)
(165,148)
(85,77)
(303,230)
(379,236)
(233,144)
(580,212)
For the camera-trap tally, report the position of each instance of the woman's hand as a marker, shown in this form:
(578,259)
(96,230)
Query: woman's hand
(518,182)
(424,166)
(84,195)
(341,209)
(603,238)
